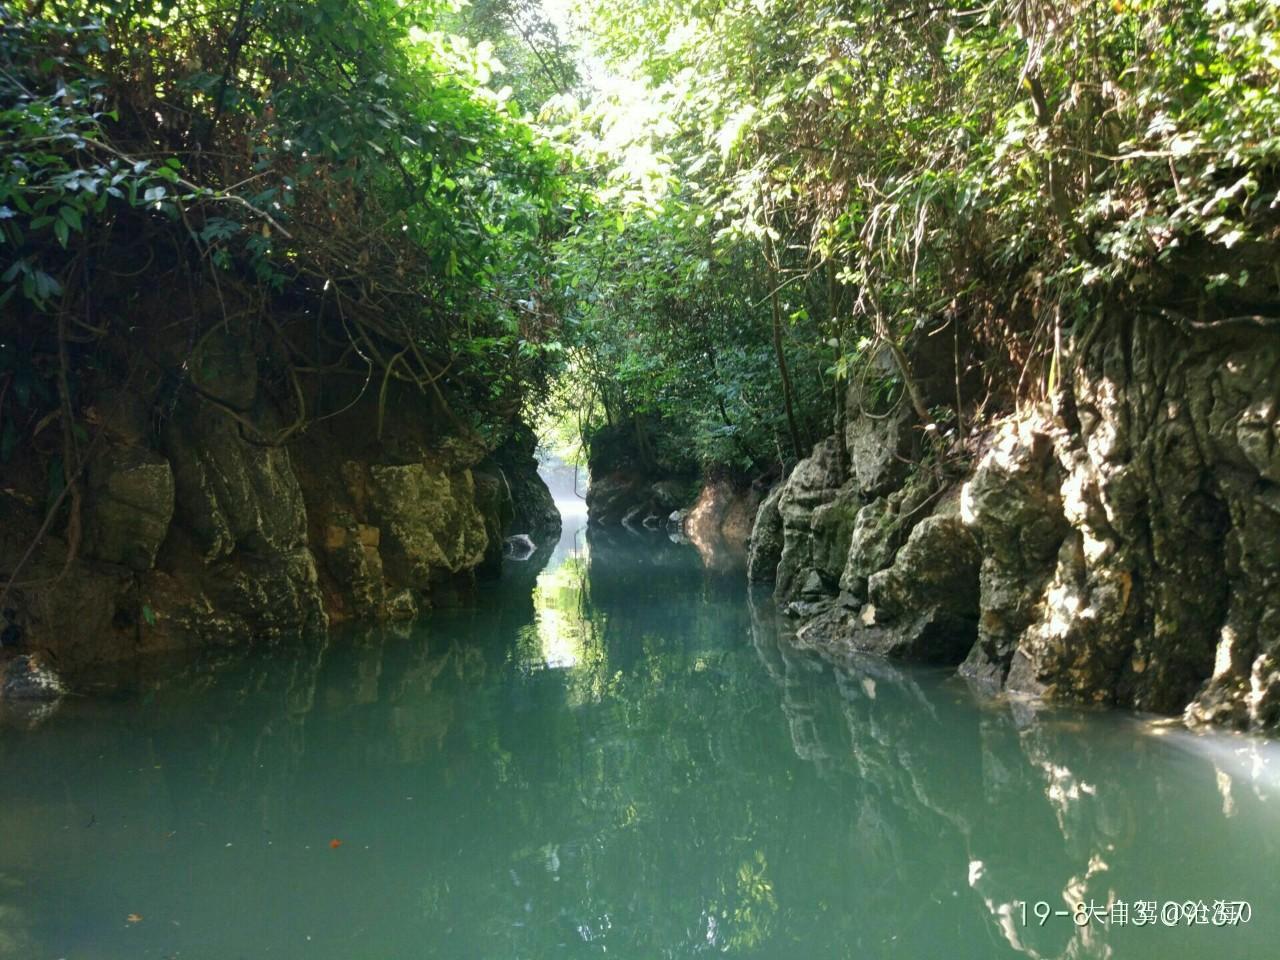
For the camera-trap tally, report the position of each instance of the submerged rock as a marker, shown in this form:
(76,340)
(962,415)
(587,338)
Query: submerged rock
(519,547)
(29,678)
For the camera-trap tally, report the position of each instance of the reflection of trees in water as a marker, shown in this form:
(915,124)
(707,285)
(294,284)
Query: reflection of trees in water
(639,788)
(623,810)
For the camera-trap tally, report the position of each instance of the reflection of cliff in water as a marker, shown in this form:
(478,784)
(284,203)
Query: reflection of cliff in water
(960,796)
(595,758)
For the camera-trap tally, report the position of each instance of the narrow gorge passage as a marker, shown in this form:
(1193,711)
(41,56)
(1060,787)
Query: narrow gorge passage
(523,479)
(618,755)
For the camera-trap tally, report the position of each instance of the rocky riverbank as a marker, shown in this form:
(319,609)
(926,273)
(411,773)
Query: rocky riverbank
(198,530)
(1121,546)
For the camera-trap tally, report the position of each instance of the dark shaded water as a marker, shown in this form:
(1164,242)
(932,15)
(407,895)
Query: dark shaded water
(622,759)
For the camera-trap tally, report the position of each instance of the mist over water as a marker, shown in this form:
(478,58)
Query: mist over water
(617,754)
(568,485)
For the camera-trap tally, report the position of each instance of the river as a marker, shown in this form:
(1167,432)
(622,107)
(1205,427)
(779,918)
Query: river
(620,754)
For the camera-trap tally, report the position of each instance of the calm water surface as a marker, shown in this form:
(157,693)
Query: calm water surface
(620,755)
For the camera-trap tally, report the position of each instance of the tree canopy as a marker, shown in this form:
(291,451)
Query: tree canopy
(334,171)
(852,175)
(709,215)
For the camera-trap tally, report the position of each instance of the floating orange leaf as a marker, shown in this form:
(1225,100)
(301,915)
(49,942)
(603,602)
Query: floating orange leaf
(335,843)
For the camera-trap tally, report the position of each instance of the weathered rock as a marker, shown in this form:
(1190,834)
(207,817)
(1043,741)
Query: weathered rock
(533,509)
(880,448)
(765,545)
(29,677)
(613,496)
(814,481)
(402,605)
(493,500)
(872,544)
(719,522)
(832,524)
(1012,504)
(274,597)
(1133,560)
(241,565)
(131,498)
(669,494)
(232,495)
(352,554)
(75,618)
(429,519)
(925,606)
(209,518)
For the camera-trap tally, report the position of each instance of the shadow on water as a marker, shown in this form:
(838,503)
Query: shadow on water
(619,752)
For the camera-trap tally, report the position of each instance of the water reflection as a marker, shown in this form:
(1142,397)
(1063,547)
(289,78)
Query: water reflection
(619,754)
(1028,804)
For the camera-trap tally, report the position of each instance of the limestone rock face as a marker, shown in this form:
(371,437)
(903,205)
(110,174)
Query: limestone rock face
(871,546)
(765,547)
(352,554)
(131,505)
(631,483)
(242,562)
(532,508)
(201,527)
(494,503)
(880,448)
(430,520)
(1122,547)
(614,496)
(1012,502)
(832,526)
(669,495)
(815,482)
(232,495)
(926,603)
(1134,561)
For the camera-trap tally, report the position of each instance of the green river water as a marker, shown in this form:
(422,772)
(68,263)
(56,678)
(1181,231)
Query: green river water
(620,755)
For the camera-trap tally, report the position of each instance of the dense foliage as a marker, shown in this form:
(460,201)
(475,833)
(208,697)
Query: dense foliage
(336,173)
(713,216)
(1024,171)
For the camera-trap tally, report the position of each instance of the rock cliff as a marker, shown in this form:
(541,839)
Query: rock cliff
(204,522)
(1119,546)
